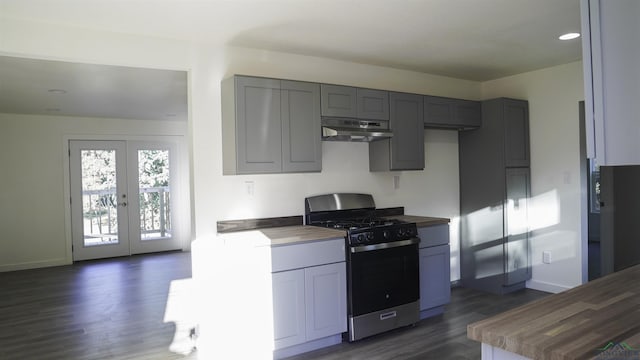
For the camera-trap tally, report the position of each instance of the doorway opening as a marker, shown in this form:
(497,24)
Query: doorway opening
(121,198)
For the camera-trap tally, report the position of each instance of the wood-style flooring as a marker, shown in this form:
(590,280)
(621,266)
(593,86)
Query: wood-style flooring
(138,308)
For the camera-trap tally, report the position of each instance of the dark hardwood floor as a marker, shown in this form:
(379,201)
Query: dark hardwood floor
(139,308)
(119,308)
(438,338)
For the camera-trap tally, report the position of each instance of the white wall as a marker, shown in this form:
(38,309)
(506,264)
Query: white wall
(432,192)
(557,208)
(34,219)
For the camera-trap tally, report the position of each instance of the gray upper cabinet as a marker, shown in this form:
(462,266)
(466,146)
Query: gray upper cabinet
(270,126)
(372,104)
(352,102)
(516,123)
(301,138)
(405,150)
(611,54)
(338,101)
(448,113)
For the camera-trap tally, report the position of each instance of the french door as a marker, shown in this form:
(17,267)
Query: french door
(121,201)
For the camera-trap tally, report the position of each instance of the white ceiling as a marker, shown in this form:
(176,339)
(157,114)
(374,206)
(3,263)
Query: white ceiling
(469,39)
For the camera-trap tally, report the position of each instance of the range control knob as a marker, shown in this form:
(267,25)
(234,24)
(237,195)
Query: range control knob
(369,236)
(360,239)
(385,234)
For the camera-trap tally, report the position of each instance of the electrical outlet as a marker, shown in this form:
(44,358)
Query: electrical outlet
(546,257)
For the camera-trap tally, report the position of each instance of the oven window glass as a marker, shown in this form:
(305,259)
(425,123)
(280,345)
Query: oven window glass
(384,278)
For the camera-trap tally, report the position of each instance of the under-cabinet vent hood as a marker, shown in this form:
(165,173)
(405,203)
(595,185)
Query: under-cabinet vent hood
(343,129)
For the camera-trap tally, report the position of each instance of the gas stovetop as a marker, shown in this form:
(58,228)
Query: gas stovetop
(369,231)
(358,223)
(356,214)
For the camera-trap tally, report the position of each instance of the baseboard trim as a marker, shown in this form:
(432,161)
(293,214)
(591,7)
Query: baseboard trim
(546,287)
(34,265)
(308,346)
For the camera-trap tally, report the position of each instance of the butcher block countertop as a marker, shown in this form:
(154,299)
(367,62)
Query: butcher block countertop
(289,230)
(295,234)
(596,320)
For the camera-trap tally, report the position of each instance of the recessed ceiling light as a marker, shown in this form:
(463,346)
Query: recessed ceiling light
(57,91)
(569,36)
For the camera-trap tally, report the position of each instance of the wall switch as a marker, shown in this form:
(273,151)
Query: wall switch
(396,182)
(546,257)
(250,187)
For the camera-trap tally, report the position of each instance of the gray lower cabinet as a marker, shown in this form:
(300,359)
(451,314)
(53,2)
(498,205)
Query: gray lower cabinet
(405,150)
(309,304)
(289,324)
(352,102)
(270,126)
(494,196)
(449,113)
(309,293)
(435,271)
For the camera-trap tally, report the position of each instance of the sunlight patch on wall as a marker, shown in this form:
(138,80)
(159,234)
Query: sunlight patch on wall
(544,210)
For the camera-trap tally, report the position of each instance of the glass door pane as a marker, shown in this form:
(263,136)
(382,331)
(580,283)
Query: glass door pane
(99,199)
(154,194)
(152,183)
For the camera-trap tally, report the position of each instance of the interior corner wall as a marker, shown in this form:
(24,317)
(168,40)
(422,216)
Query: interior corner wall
(557,201)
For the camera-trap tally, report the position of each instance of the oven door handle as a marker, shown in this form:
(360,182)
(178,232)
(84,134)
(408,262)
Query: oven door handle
(362,248)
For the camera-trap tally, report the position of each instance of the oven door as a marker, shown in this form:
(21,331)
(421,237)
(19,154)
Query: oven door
(382,276)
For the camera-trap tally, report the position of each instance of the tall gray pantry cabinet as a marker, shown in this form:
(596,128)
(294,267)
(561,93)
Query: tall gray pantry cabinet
(494,196)
(270,126)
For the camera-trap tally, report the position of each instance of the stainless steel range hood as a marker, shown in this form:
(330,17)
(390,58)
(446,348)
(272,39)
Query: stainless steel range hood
(343,129)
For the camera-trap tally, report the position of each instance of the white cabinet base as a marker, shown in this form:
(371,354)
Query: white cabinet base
(493,353)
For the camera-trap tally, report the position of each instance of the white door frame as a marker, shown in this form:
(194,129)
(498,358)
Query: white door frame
(181,195)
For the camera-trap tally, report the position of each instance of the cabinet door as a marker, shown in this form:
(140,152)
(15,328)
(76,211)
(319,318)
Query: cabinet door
(259,134)
(301,130)
(406,121)
(467,114)
(435,283)
(441,112)
(326,300)
(516,132)
(438,111)
(338,101)
(516,246)
(288,308)
(611,54)
(372,104)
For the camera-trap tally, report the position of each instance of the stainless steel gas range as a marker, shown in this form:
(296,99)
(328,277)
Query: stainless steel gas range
(383,285)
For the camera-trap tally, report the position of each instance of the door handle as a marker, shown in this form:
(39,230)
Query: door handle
(123,204)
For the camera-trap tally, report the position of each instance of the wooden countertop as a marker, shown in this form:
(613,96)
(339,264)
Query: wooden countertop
(287,235)
(575,324)
(276,236)
(292,234)
(421,221)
